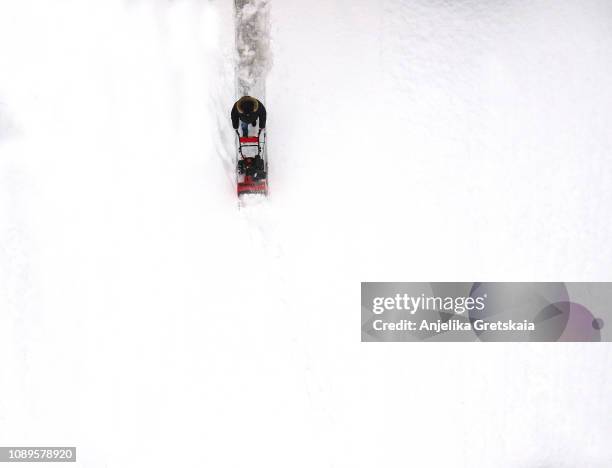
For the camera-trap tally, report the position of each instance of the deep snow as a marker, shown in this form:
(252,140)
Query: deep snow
(148,321)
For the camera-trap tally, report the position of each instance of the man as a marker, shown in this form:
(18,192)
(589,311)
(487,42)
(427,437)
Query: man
(246,111)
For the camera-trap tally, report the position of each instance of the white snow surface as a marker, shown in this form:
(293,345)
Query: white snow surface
(148,321)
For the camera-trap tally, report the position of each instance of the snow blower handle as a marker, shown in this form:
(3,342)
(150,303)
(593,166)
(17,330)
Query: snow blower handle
(239,144)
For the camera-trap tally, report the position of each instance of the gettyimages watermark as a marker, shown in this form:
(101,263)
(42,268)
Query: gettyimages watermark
(486,312)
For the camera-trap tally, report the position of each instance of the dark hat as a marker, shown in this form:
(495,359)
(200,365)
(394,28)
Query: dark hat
(247,105)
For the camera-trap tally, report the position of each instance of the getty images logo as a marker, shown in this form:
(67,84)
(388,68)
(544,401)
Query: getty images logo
(414,304)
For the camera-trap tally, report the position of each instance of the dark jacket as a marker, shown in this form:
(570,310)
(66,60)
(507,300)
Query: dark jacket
(250,118)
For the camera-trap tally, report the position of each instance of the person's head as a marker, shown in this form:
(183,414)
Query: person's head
(247,105)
